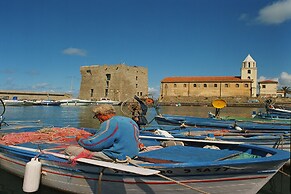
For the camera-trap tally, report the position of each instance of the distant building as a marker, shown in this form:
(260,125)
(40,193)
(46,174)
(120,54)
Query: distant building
(116,82)
(26,95)
(214,86)
(268,88)
(249,71)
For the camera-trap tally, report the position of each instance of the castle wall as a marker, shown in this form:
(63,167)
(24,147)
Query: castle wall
(116,82)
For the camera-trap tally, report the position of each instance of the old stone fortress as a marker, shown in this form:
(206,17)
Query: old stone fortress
(121,82)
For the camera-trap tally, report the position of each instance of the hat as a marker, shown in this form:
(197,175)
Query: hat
(104,109)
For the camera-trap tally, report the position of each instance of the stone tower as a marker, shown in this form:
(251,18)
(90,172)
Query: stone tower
(249,71)
(116,82)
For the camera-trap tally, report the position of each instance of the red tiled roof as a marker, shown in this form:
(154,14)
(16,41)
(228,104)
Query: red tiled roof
(268,81)
(205,79)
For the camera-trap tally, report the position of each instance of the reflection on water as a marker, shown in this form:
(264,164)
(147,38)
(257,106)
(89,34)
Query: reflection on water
(199,111)
(81,117)
(10,184)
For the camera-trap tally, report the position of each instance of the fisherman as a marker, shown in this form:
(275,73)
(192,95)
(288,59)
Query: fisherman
(116,139)
(139,112)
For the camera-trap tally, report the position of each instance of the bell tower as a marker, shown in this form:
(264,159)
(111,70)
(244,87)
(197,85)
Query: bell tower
(249,71)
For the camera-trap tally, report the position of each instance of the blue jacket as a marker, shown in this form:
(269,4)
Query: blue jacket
(117,138)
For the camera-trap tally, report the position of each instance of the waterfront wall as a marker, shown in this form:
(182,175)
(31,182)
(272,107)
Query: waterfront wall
(26,95)
(231,101)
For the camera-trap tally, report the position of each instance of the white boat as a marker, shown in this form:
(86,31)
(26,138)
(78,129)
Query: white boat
(17,103)
(50,103)
(108,101)
(279,111)
(75,102)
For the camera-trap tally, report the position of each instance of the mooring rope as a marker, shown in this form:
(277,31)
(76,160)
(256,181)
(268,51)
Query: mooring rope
(128,159)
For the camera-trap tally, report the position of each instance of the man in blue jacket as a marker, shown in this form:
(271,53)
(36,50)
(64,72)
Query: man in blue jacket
(116,139)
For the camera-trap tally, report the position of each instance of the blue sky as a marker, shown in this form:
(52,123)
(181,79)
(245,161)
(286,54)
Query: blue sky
(43,43)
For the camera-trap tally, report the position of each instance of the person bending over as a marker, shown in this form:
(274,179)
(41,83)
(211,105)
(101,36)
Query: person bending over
(116,139)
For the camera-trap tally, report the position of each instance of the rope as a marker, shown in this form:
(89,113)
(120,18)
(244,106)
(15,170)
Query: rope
(284,173)
(170,179)
(280,142)
(100,181)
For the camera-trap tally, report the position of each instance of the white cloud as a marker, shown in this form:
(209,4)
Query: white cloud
(244,17)
(262,78)
(154,92)
(75,51)
(8,71)
(40,86)
(285,79)
(276,13)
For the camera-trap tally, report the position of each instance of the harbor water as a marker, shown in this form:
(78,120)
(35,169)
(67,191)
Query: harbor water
(81,117)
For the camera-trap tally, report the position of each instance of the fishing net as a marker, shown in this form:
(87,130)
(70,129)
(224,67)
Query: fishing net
(44,135)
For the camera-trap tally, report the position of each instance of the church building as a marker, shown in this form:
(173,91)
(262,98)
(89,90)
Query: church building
(244,85)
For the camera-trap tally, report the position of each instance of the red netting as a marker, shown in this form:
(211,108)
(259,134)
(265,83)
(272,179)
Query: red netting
(45,135)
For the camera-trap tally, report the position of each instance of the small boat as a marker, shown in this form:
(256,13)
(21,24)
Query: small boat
(108,101)
(75,102)
(256,117)
(166,119)
(17,103)
(272,117)
(50,103)
(273,139)
(193,166)
(279,111)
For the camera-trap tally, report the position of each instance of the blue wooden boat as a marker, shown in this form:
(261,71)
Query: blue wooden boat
(166,119)
(280,112)
(257,117)
(196,166)
(274,117)
(273,139)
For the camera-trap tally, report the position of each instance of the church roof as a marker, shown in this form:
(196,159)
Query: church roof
(205,79)
(268,81)
(249,59)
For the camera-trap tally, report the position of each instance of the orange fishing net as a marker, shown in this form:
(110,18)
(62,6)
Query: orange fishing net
(45,135)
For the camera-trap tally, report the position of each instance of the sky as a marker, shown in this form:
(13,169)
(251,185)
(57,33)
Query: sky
(43,43)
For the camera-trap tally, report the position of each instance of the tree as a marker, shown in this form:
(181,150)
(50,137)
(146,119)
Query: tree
(286,90)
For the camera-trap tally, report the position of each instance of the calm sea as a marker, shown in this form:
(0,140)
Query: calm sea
(81,117)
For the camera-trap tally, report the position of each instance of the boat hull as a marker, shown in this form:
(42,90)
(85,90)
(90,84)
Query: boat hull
(122,183)
(75,102)
(208,122)
(227,168)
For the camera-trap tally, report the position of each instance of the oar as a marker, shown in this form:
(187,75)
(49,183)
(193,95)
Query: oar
(188,140)
(116,166)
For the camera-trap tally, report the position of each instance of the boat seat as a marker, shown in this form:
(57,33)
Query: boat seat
(184,154)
